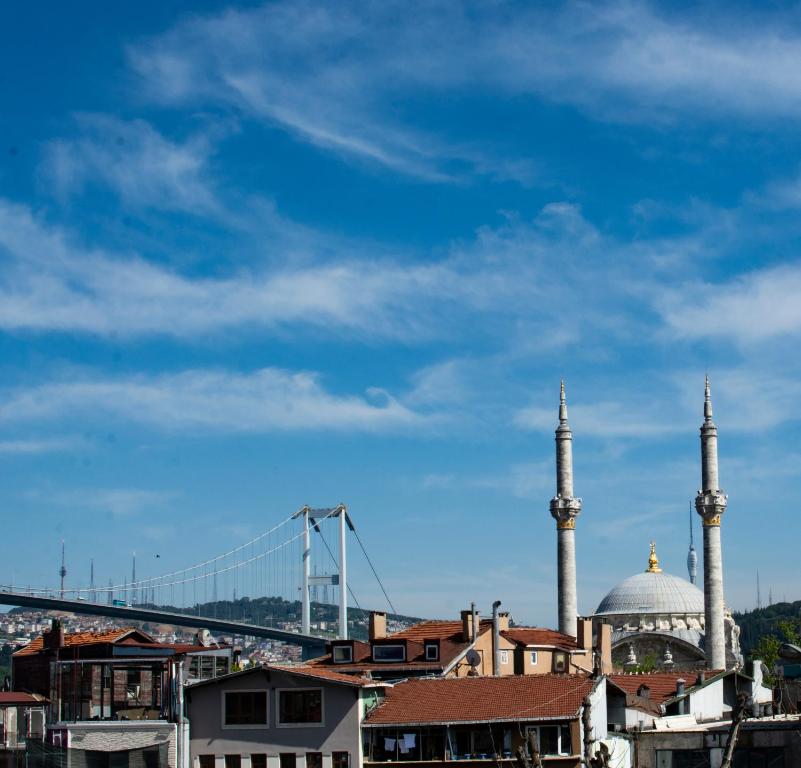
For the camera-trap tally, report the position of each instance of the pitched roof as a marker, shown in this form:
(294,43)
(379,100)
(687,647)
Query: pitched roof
(82,638)
(438,630)
(542,637)
(661,685)
(424,701)
(18,699)
(302,670)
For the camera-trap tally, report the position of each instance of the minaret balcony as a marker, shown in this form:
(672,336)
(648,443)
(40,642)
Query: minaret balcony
(565,509)
(710,505)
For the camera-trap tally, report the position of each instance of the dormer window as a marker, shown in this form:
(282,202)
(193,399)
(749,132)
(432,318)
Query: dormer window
(342,654)
(432,651)
(389,653)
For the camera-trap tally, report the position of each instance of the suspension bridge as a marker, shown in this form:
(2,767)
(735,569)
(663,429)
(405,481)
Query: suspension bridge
(304,555)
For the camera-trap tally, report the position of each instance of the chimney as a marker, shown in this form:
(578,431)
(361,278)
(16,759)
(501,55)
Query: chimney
(54,638)
(496,639)
(377,625)
(503,621)
(603,648)
(467,625)
(701,679)
(584,636)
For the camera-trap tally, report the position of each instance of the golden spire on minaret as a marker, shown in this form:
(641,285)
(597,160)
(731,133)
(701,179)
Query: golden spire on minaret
(653,561)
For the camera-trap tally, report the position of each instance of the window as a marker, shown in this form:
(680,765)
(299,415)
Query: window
(233,761)
(534,657)
(205,761)
(247,708)
(560,662)
(287,759)
(258,761)
(343,654)
(432,652)
(505,657)
(301,706)
(340,759)
(552,739)
(389,653)
(314,760)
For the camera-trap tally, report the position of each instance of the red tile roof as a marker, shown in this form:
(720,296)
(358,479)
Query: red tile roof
(324,673)
(482,699)
(302,670)
(661,685)
(17,699)
(79,638)
(541,637)
(438,630)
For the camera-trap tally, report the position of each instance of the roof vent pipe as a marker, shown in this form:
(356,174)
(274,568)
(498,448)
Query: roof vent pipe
(680,692)
(496,639)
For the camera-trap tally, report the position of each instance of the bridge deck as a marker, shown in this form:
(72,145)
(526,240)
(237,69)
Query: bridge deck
(311,644)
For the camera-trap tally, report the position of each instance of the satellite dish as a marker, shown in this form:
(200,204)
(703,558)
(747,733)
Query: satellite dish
(473,657)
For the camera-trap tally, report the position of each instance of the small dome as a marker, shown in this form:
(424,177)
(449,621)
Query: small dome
(653,592)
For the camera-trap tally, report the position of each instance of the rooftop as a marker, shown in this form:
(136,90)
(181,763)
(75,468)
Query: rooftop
(432,701)
(87,638)
(661,685)
(301,670)
(540,637)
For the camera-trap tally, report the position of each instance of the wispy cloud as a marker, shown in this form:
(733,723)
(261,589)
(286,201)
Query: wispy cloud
(267,400)
(524,480)
(337,77)
(505,274)
(607,419)
(32,446)
(142,166)
(117,502)
(748,308)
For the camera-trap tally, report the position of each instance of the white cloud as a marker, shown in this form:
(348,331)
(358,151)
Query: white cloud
(142,166)
(748,308)
(507,276)
(339,76)
(267,400)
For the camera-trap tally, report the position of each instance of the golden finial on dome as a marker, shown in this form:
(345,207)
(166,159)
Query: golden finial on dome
(653,561)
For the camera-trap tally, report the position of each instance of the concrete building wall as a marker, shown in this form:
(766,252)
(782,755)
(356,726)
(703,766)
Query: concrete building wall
(707,703)
(339,731)
(653,747)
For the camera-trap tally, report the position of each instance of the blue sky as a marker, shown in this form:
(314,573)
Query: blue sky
(259,256)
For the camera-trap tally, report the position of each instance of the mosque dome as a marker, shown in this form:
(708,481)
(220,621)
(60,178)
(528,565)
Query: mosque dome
(652,592)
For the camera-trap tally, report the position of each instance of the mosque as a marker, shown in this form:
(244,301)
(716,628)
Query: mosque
(656,617)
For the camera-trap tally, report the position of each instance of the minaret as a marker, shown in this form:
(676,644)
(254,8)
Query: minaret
(692,557)
(564,509)
(710,503)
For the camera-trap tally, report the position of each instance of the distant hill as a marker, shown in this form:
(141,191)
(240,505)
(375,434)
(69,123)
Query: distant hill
(757,623)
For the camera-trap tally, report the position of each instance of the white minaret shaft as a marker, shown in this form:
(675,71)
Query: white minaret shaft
(710,503)
(564,509)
